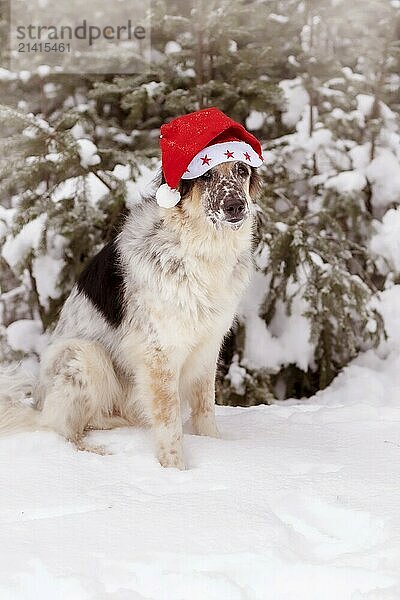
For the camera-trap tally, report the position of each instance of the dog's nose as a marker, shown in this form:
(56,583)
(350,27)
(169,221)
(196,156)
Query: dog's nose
(234,210)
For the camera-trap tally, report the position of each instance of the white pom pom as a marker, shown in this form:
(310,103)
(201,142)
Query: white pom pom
(167,197)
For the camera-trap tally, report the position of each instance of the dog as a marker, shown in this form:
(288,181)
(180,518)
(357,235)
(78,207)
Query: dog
(142,328)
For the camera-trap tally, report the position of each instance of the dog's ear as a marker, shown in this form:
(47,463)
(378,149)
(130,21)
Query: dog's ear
(255,184)
(185,187)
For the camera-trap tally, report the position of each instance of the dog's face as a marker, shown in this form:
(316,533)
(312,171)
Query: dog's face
(223,195)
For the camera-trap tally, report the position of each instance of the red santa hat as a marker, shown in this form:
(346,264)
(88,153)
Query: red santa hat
(195,143)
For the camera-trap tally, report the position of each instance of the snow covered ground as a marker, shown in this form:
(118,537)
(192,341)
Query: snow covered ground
(297,501)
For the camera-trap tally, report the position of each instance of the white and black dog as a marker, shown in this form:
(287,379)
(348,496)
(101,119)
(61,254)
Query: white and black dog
(142,328)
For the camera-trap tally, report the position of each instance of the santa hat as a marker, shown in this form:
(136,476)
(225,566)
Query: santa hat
(195,143)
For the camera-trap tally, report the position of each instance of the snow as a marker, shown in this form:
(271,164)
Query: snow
(46,268)
(236,376)
(77,131)
(172,47)
(46,271)
(255,120)
(347,182)
(383,172)
(41,123)
(360,155)
(15,249)
(43,71)
(278,18)
(365,103)
(50,90)
(88,153)
(292,60)
(296,99)
(281,226)
(287,338)
(185,72)
(297,501)
(122,172)
(350,74)
(320,139)
(385,243)
(154,87)
(233,46)
(54,157)
(96,188)
(6,75)
(25,76)
(123,138)
(342,165)
(141,186)
(66,189)
(7,216)
(25,335)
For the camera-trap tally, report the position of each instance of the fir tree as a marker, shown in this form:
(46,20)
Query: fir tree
(316,81)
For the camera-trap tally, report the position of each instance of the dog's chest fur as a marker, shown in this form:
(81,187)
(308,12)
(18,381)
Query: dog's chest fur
(199,301)
(189,282)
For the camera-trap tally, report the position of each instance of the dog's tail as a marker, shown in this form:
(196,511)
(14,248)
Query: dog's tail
(17,412)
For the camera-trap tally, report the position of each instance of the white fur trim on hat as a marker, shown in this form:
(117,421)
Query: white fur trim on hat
(167,197)
(219,153)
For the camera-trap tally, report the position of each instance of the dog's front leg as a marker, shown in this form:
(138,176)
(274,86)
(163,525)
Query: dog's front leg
(158,387)
(198,387)
(202,401)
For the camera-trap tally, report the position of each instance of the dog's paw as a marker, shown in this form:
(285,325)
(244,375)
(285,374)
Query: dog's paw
(171,459)
(84,446)
(204,425)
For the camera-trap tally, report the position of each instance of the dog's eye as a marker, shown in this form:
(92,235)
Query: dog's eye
(242,170)
(207,176)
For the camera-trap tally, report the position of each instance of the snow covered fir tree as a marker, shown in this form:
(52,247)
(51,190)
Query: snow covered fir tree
(317,81)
